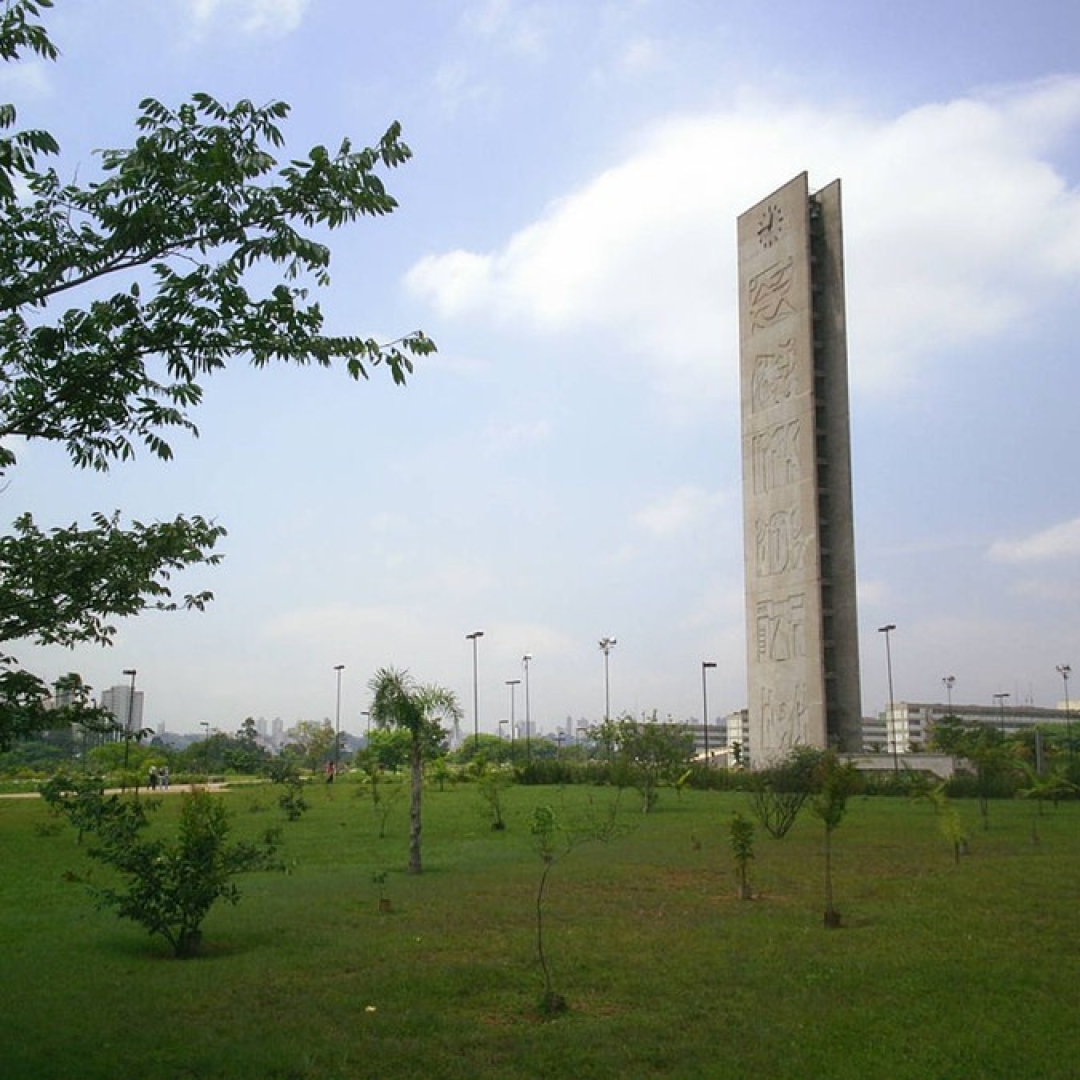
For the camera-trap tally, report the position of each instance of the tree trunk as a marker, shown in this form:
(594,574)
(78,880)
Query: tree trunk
(416,762)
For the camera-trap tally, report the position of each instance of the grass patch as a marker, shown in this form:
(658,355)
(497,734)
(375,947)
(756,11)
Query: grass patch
(939,970)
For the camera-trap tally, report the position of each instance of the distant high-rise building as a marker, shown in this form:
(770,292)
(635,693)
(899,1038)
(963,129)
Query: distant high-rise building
(126,707)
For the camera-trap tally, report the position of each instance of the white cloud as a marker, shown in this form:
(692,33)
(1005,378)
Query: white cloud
(519,28)
(272,17)
(1059,542)
(26,79)
(509,436)
(677,511)
(938,202)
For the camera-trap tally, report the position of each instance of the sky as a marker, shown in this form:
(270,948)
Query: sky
(567,467)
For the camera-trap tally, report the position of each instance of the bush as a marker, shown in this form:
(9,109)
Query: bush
(169,885)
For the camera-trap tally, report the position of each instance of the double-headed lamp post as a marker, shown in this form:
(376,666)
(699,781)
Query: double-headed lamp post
(339,668)
(887,629)
(131,706)
(950,682)
(1065,670)
(705,666)
(528,718)
(1000,699)
(474,637)
(606,645)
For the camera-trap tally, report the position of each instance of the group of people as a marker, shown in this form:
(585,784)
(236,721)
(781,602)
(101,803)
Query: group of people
(159,777)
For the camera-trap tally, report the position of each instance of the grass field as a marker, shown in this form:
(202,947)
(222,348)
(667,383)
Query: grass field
(939,971)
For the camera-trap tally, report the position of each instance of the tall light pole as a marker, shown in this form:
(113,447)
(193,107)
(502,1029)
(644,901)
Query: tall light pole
(705,665)
(887,629)
(606,645)
(1000,699)
(339,668)
(131,706)
(528,736)
(474,637)
(950,682)
(513,684)
(205,724)
(1065,670)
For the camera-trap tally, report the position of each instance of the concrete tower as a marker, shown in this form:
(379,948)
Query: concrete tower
(802,631)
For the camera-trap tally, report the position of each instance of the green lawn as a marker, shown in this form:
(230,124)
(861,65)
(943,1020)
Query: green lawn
(939,971)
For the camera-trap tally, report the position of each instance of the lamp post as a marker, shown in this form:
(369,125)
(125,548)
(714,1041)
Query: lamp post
(950,682)
(339,668)
(528,733)
(606,645)
(1065,670)
(206,748)
(1000,699)
(705,666)
(513,684)
(887,629)
(131,706)
(474,637)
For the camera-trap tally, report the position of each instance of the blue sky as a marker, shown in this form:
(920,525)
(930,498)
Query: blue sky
(568,466)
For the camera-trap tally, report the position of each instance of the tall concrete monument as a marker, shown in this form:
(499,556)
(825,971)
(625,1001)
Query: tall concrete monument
(802,632)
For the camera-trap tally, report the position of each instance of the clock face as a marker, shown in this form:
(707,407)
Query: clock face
(769,225)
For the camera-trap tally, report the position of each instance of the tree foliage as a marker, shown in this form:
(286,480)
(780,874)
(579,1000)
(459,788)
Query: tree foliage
(120,295)
(168,886)
(398,701)
(646,753)
(779,792)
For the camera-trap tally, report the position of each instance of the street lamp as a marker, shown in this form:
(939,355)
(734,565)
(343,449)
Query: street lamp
(131,705)
(513,684)
(474,637)
(886,630)
(339,668)
(705,665)
(1065,670)
(528,735)
(1000,699)
(950,682)
(606,645)
(206,748)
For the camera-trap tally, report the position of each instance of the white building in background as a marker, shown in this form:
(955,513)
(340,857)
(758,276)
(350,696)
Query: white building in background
(126,707)
(908,726)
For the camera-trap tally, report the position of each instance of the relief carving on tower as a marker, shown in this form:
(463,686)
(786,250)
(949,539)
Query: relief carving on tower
(784,721)
(780,543)
(780,628)
(775,457)
(774,377)
(768,294)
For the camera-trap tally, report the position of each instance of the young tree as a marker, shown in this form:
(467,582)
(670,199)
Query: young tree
(400,702)
(169,886)
(834,781)
(119,295)
(779,792)
(650,753)
(741,835)
(554,838)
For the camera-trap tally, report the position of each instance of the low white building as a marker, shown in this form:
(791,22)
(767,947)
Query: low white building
(908,726)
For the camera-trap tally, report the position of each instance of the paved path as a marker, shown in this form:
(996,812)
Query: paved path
(172,789)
